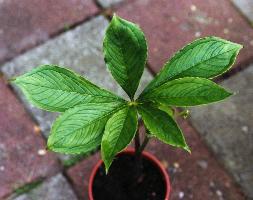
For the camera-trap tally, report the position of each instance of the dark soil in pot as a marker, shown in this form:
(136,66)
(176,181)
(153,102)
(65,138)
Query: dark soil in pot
(125,181)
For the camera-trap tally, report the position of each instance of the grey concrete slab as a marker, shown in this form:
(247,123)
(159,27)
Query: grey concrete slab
(228,128)
(79,49)
(108,3)
(245,7)
(55,188)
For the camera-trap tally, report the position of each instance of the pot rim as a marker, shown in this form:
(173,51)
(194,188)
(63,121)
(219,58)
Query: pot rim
(131,151)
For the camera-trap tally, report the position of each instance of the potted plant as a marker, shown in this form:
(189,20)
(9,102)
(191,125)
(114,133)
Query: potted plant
(92,116)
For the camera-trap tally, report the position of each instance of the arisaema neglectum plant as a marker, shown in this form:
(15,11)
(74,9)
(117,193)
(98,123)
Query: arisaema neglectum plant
(92,116)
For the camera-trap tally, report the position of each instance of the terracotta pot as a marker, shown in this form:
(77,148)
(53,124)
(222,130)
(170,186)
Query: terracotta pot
(149,157)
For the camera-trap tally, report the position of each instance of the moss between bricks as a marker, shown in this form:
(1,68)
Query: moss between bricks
(77,158)
(28,187)
(73,160)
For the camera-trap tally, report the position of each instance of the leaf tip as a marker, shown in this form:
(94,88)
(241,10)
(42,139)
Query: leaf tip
(235,93)
(227,93)
(187,148)
(115,17)
(230,93)
(107,166)
(106,160)
(106,170)
(240,46)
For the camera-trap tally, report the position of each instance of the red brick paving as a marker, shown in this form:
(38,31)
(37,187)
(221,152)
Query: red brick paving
(25,23)
(80,174)
(196,182)
(169,25)
(189,176)
(20,142)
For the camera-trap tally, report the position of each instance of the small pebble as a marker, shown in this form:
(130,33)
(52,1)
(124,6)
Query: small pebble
(245,129)
(227,184)
(203,164)
(219,193)
(165,163)
(153,194)
(173,19)
(211,184)
(230,20)
(42,152)
(2,168)
(181,195)
(193,8)
(36,129)
(176,165)
(251,42)
(197,34)
(225,31)
(155,49)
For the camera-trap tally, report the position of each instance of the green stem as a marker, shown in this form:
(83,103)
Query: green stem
(138,151)
(137,141)
(143,145)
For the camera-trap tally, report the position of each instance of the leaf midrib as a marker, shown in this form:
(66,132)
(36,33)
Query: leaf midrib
(112,152)
(77,78)
(197,64)
(83,94)
(122,54)
(89,123)
(177,136)
(72,147)
(169,79)
(201,84)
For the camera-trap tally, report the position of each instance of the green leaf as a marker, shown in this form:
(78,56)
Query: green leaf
(119,131)
(188,91)
(125,52)
(162,125)
(57,89)
(79,129)
(206,57)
